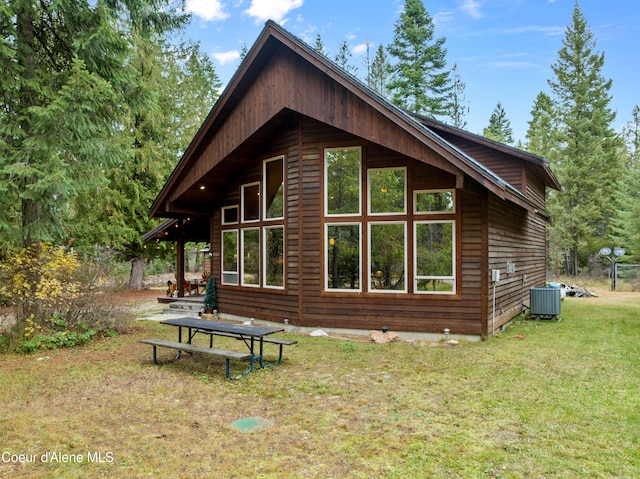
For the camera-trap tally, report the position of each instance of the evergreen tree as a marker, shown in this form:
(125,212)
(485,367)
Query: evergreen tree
(587,159)
(343,58)
(419,81)
(168,101)
(319,46)
(499,128)
(378,73)
(63,69)
(211,296)
(458,105)
(541,133)
(244,50)
(627,224)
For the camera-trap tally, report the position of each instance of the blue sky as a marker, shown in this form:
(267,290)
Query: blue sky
(504,49)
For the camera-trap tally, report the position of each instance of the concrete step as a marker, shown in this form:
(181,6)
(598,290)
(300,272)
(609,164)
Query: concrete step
(180,306)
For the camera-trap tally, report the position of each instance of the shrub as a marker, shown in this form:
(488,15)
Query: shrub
(54,299)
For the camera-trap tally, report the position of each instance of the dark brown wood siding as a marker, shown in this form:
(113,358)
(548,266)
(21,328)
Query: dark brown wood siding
(265,303)
(304,301)
(516,236)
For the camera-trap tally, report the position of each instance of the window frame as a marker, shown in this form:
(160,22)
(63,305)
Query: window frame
(434,190)
(223,271)
(454,252)
(229,208)
(243,188)
(265,256)
(405,290)
(259,262)
(265,185)
(387,213)
(326,182)
(326,244)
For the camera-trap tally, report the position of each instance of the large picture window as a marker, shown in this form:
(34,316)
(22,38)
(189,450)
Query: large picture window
(342,181)
(435,257)
(387,191)
(387,253)
(342,257)
(230,257)
(251,257)
(274,257)
(274,188)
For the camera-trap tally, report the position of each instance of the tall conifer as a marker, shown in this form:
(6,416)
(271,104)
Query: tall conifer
(587,159)
(419,81)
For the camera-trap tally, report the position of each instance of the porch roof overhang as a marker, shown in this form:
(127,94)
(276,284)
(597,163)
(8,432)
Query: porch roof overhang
(194,229)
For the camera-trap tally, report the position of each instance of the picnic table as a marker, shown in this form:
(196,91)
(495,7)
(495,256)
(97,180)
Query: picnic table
(254,337)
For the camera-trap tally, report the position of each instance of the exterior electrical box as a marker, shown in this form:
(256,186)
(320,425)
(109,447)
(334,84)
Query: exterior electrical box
(544,301)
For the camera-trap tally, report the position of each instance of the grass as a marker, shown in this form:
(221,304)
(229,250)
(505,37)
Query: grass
(541,400)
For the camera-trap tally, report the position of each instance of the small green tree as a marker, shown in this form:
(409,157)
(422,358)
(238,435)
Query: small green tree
(211,296)
(499,128)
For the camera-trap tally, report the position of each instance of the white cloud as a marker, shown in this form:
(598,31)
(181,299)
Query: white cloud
(471,8)
(208,10)
(226,57)
(360,49)
(263,10)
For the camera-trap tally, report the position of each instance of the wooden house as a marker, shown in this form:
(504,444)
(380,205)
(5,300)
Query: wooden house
(326,205)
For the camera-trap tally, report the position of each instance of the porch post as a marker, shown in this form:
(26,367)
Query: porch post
(180,266)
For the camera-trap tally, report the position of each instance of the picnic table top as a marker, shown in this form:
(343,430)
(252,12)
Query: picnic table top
(223,326)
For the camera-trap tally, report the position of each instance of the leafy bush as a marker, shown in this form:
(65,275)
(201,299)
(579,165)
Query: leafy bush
(54,299)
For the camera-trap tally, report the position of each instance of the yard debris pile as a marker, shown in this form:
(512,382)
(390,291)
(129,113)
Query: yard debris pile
(573,291)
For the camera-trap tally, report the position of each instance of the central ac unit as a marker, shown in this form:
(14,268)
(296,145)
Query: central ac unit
(544,301)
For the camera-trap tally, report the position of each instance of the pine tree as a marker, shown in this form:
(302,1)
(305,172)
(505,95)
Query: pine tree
(419,81)
(587,160)
(319,46)
(499,128)
(343,58)
(379,72)
(211,296)
(627,224)
(458,106)
(541,133)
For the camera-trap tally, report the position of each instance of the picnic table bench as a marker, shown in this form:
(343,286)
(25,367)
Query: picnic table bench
(249,334)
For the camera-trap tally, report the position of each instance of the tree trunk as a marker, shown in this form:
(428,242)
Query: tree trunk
(135,277)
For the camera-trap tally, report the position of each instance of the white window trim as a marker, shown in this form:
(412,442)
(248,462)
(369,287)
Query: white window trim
(241,265)
(404,209)
(453,259)
(264,182)
(326,183)
(447,190)
(406,283)
(243,188)
(326,259)
(264,257)
(236,272)
(225,208)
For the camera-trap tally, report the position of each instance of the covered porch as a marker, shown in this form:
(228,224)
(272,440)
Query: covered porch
(182,231)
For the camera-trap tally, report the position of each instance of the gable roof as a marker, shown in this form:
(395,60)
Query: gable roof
(270,41)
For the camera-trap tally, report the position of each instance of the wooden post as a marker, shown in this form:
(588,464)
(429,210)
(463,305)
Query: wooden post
(180,266)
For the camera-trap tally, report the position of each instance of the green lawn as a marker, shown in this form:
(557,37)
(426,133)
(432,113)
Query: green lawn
(542,400)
